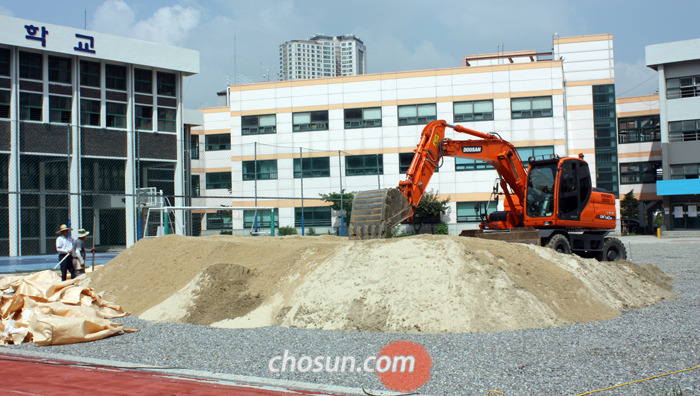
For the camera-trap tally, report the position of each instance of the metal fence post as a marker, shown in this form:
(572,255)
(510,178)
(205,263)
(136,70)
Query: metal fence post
(340,178)
(301,174)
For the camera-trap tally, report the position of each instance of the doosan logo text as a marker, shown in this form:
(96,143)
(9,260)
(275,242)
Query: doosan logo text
(471,149)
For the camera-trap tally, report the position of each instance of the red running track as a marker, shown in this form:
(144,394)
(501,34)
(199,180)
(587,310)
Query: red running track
(36,376)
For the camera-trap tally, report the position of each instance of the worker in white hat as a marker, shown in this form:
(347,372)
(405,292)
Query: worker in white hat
(80,253)
(64,247)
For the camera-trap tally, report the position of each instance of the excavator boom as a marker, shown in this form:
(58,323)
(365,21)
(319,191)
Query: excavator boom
(376,212)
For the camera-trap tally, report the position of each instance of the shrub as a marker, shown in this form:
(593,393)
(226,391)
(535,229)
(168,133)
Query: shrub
(442,229)
(288,230)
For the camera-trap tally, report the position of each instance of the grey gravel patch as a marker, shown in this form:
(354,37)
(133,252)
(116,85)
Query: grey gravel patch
(567,360)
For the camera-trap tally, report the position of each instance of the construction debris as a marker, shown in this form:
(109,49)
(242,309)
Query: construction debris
(40,308)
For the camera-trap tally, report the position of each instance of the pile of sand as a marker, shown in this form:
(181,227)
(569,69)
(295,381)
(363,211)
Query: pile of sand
(425,283)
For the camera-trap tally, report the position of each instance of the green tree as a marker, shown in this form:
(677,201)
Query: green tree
(429,210)
(334,199)
(629,206)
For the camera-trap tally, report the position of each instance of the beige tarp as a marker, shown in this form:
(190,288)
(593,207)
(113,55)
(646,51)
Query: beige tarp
(43,309)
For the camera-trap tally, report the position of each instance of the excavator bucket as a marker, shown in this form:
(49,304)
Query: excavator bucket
(527,235)
(376,212)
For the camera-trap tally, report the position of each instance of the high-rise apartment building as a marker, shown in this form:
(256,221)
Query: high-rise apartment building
(322,56)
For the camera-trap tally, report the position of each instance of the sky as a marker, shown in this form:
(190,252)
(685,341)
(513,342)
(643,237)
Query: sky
(238,40)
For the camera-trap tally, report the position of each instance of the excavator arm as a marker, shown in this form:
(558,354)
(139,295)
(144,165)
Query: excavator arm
(375,212)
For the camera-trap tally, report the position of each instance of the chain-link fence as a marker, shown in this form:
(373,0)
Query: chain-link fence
(123,186)
(298,187)
(53,174)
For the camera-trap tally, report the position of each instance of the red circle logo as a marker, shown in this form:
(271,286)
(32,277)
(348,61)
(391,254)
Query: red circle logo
(403,366)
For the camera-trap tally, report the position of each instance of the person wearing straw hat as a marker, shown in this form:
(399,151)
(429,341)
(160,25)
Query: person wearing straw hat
(79,250)
(64,247)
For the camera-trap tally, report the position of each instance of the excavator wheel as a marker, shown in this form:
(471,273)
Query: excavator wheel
(559,243)
(613,249)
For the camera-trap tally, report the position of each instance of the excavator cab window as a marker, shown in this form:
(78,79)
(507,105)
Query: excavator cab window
(574,189)
(540,190)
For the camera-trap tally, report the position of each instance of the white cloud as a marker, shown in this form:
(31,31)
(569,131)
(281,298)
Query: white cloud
(168,25)
(114,17)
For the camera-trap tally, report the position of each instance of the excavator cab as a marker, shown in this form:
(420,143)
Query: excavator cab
(558,189)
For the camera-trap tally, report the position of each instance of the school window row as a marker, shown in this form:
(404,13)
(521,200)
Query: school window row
(103,89)
(467,212)
(416,114)
(313,217)
(356,165)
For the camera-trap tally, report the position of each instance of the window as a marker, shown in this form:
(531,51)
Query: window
(56,175)
(538,153)
(684,131)
(217,142)
(221,220)
(194,181)
(479,110)
(405,160)
(5,62)
(363,118)
(116,115)
(310,121)
(638,172)
(165,84)
(60,109)
(60,69)
(357,165)
(260,170)
(110,176)
(30,106)
(683,87)
(89,74)
(685,171)
(312,167)
(417,114)
(5,103)
(115,77)
(475,211)
(194,147)
(31,66)
(604,123)
(639,129)
(263,218)
(533,107)
(166,119)
(313,216)
(217,180)
(258,124)
(465,164)
(143,81)
(144,117)
(89,112)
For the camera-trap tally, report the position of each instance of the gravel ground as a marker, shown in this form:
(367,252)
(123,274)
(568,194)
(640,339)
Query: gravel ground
(565,360)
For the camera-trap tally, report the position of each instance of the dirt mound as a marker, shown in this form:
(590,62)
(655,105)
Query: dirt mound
(425,283)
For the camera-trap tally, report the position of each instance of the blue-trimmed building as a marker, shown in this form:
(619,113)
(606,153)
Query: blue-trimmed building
(678,67)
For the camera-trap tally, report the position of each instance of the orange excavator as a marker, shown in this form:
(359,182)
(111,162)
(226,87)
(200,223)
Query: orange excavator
(553,203)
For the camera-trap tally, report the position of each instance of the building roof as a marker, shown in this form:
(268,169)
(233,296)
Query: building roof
(676,51)
(89,44)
